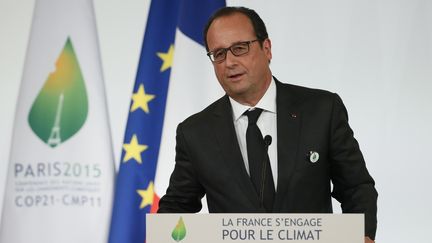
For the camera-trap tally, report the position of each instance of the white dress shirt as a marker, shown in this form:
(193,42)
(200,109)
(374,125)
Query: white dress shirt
(267,123)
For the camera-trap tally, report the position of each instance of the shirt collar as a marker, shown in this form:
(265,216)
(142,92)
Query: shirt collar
(267,102)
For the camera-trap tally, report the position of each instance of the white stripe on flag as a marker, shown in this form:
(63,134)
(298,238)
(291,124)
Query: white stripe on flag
(193,86)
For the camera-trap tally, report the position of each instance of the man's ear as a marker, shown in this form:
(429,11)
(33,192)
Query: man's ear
(266,45)
(267,48)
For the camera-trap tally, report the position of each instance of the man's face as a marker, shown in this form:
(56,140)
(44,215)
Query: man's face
(244,78)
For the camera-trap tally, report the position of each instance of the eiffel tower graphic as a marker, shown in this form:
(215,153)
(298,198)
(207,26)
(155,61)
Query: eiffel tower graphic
(54,138)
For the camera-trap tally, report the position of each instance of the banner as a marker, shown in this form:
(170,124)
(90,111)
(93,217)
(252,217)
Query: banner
(61,170)
(156,106)
(255,228)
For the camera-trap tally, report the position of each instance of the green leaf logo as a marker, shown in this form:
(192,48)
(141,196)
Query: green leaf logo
(60,109)
(179,231)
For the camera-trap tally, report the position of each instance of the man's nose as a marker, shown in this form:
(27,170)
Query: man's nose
(230,59)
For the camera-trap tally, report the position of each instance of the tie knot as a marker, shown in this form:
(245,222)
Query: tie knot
(253,115)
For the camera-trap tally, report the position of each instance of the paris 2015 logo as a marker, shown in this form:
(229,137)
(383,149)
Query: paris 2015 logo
(61,106)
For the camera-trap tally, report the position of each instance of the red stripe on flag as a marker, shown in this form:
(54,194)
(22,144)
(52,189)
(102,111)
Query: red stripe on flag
(155,205)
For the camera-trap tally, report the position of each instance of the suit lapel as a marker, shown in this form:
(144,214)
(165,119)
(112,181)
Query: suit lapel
(227,140)
(288,131)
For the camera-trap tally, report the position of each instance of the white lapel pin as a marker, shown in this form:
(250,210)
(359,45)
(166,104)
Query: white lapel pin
(313,156)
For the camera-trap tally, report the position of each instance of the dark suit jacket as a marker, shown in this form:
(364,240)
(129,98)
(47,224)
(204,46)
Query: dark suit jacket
(209,161)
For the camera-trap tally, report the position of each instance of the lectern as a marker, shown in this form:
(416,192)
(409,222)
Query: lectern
(255,228)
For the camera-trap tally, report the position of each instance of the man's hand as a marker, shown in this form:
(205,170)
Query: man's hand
(368,240)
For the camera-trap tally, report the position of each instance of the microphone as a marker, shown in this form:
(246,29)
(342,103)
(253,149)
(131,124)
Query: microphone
(267,141)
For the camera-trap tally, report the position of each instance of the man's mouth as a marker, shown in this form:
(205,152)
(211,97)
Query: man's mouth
(235,76)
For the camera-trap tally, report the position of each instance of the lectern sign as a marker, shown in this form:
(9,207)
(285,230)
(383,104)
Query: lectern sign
(258,228)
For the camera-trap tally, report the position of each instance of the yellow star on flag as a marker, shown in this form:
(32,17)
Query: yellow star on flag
(141,100)
(133,150)
(147,195)
(167,58)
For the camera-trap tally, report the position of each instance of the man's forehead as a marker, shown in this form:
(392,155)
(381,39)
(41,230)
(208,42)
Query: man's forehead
(230,29)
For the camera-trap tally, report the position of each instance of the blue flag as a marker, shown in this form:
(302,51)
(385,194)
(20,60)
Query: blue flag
(135,196)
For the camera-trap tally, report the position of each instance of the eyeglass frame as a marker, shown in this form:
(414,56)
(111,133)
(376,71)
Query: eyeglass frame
(225,50)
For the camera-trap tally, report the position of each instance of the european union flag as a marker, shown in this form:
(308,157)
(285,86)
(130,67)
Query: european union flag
(134,196)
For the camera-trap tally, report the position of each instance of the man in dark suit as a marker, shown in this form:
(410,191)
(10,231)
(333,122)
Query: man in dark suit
(307,145)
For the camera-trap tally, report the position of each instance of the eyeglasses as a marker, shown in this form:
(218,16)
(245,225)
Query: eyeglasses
(236,49)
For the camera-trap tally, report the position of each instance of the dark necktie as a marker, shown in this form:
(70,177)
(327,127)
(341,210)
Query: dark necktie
(259,162)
